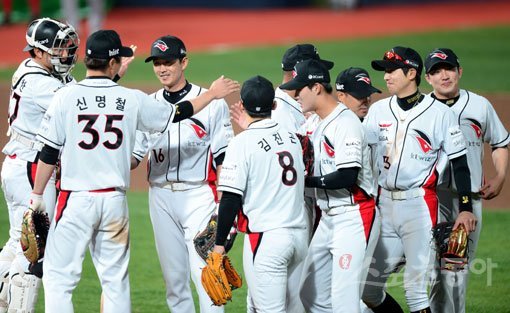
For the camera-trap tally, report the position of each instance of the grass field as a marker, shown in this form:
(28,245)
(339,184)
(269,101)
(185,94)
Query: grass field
(488,285)
(484,56)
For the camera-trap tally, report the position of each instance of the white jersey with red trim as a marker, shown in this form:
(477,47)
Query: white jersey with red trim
(94,122)
(410,143)
(288,112)
(264,164)
(479,123)
(187,150)
(32,90)
(339,141)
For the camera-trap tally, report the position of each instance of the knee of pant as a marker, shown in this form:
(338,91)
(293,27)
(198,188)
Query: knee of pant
(417,300)
(23,293)
(4,287)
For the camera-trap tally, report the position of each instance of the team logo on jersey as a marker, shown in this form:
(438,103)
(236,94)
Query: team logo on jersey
(161,45)
(198,127)
(345,261)
(363,78)
(423,141)
(385,125)
(438,55)
(328,147)
(477,127)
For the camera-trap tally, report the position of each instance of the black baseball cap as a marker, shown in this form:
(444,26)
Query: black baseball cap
(308,72)
(257,95)
(441,55)
(300,53)
(399,57)
(106,44)
(356,82)
(167,48)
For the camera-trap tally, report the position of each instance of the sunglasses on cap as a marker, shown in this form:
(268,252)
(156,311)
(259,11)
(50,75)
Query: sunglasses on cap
(393,56)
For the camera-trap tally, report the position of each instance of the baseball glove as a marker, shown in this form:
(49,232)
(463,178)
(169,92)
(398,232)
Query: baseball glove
(34,231)
(204,240)
(219,278)
(307,146)
(452,245)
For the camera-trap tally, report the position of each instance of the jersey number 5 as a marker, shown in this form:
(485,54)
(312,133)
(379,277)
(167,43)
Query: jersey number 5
(109,128)
(287,168)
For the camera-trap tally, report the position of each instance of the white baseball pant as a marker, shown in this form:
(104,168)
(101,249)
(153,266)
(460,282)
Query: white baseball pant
(177,217)
(405,231)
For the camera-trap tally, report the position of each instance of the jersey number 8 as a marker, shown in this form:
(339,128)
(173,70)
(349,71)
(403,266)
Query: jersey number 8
(287,168)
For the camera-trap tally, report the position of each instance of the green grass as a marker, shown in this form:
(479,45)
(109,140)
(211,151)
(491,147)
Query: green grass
(483,53)
(487,292)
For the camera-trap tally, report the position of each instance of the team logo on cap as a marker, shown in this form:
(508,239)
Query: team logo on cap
(477,127)
(423,141)
(363,78)
(161,45)
(438,55)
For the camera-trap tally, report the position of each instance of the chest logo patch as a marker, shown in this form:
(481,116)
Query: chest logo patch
(423,141)
(476,127)
(328,147)
(199,131)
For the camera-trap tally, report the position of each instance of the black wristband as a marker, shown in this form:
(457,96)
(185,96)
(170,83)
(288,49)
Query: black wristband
(465,203)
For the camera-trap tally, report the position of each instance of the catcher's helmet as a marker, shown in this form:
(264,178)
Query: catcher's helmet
(59,40)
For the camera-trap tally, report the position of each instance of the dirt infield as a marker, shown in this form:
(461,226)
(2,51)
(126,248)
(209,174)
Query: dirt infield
(215,29)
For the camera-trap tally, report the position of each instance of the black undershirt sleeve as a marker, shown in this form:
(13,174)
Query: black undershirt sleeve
(341,178)
(183,110)
(230,204)
(219,159)
(462,178)
(49,155)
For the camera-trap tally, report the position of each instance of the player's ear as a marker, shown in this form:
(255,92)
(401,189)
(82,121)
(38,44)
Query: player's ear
(427,78)
(184,63)
(460,71)
(274,105)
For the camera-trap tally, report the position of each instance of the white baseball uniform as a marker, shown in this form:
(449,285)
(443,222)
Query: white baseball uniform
(264,164)
(479,123)
(93,123)
(32,89)
(288,112)
(182,194)
(409,145)
(334,266)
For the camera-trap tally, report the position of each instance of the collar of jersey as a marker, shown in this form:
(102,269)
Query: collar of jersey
(98,80)
(264,123)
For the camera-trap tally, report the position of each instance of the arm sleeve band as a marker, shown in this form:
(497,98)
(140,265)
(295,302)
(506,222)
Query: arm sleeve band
(183,110)
(49,155)
(230,204)
(462,178)
(341,178)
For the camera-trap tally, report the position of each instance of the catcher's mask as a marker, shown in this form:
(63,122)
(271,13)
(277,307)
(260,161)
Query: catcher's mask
(59,40)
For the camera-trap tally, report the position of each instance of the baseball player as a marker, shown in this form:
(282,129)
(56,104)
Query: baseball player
(52,47)
(262,178)
(93,123)
(333,267)
(354,89)
(411,131)
(182,170)
(479,123)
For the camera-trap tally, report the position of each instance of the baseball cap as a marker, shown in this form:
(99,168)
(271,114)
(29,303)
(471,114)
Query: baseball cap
(167,48)
(257,95)
(441,55)
(302,52)
(308,72)
(105,44)
(356,82)
(399,57)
